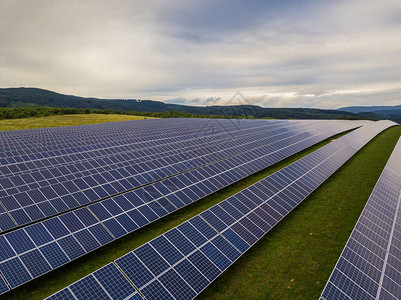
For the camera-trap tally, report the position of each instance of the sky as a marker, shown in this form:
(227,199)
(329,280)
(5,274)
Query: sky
(287,53)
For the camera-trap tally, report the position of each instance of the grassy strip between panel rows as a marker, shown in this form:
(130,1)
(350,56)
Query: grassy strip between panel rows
(64,120)
(292,261)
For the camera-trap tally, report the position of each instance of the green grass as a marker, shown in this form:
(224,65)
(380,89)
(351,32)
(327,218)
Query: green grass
(64,120)
(293,261)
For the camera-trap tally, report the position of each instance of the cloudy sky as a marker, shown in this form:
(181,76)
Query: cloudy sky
(287,53)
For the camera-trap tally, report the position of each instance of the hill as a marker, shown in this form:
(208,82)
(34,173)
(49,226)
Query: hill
(33,97)
(371,109)
(377,112)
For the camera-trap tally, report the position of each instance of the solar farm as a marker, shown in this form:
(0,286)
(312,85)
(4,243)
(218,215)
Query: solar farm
(66,192)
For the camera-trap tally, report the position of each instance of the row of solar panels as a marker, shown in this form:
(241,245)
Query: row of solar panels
(74,167)
(122,163)
(369,266)
(116,133)
(31,251)
(99,140)
(30,206)
(185,260)
(116,154)
(115,181)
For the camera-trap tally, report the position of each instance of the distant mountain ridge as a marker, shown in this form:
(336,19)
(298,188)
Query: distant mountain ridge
(378,112)
(31,97)
(359,109)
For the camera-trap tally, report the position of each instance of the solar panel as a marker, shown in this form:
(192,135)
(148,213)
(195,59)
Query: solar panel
(369,265)
(82,230)
(114,282)
(198,251)
(53,192)
(3,286)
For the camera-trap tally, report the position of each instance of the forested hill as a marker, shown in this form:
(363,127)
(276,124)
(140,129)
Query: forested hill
(34,97)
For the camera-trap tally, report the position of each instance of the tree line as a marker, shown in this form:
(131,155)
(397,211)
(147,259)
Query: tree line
(27,112)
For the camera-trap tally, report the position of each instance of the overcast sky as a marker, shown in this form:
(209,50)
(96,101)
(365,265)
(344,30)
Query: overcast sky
(287,53)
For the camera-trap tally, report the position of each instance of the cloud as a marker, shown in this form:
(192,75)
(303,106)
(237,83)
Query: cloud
(277,53)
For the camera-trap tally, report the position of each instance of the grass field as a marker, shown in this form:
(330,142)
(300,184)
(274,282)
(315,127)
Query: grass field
(64,120)
(293,261)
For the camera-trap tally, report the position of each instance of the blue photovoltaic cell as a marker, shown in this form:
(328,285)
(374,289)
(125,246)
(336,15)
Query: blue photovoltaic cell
(148,213)
(237,241)
(151,259)
(85,216)
(134,269)
(138,218)
(222,215)
(10,203)
(5,222)
(126,222)
(64,294)
(20,241)
(226,248)
(251,227)
(5,249)
(122,201)
(87,241)
(14,272)
(114,282)
(39,234)
(47,209)
(191,275)
(56,228)
(155,291)
(244,233)
(71,247)
(35,263)
(192,234)
(216,256)
(175,200)
(176,285)
(259,222)
(99,211)
(213,220)
(115,228)
(135,296)
(34,213)
(166,249)
(112,207)
(203,227)
(156,207)
(54,255)
(70,201)
(133,199)
(101,234)
(204,265)
(3,286)
(165,204)
(180,241)
(87,289)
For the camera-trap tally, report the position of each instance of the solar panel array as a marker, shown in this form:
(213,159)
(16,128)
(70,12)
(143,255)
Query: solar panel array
(36,249)
(43,190)
(182,262)
(369,266)
(53,186)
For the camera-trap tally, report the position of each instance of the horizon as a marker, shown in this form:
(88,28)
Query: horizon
(193,105)
(305,54)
